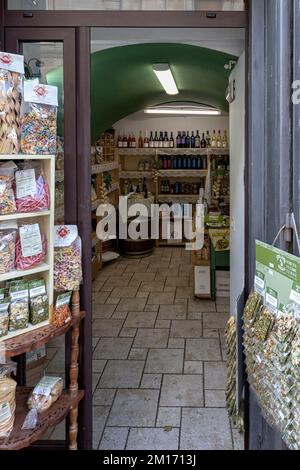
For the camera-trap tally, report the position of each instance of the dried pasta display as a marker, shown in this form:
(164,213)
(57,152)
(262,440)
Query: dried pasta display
(32,191)
(67,258)
(8,234)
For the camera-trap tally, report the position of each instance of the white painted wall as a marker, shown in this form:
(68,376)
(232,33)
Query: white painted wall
(237,190)
(141,122)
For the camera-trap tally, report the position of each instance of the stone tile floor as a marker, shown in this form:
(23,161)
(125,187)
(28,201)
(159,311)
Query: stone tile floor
(159,358)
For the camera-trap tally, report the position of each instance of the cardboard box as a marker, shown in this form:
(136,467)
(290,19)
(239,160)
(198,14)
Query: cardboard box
(202,282)
(222,281)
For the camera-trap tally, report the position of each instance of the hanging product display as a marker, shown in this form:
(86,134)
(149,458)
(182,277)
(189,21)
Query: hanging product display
(62,313)
(271,340)
(67,258)
(38,119)
(11,74)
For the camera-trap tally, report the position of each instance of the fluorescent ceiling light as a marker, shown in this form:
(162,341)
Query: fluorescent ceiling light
(184,111)
(164,75)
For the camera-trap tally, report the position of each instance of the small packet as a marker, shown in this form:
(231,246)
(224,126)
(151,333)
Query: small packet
(8,234)
(4,316)
(32,191)
(7,198)
(7,405)
(31,247)
(62,313)
(39,303)
(38,119)
(19,307)
(67,258)
(44,394)
(6,370)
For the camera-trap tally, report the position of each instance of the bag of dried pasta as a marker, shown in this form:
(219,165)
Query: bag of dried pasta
(11,76)
(7,405)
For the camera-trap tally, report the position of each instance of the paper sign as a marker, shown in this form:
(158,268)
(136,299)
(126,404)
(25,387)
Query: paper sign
(31,240)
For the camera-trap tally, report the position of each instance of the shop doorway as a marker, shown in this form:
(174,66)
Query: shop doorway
(82,150)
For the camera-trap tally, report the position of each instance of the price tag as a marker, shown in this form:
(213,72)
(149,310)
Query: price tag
(31,240)
(272,301)
(25,183)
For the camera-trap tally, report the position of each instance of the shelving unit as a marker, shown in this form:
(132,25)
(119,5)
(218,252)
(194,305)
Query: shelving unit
(45,219)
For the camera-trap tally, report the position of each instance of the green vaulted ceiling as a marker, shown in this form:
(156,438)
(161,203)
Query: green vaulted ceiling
(123,81)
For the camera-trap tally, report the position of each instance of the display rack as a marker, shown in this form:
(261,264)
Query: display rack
(45,219)
(67,404)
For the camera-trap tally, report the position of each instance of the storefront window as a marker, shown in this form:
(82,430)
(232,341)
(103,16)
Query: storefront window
(152,5)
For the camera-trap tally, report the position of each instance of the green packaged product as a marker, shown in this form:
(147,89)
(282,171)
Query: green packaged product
(39,303)
(4,316)
(19,307)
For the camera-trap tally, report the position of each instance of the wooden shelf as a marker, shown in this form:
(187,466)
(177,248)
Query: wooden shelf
(19,439)
(36,338)
(24,215)
(20,156)
(103,167)
(135,174)
(167,151)
(43,267)
(182,173)
(181,198)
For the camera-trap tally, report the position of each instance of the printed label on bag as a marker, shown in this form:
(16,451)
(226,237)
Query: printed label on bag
(25,183)
(12,62)
(35,291)
(39,93)
(64,235)
(5,412)
(295,294)
(272,301)
(45,385)
(63,299)
(31,240)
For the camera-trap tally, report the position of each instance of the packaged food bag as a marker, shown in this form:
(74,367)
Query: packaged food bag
(4,316)
(39,119)
(8,234)
(39,302)
(7,405)
(32,191)
(31,247)
(7,197)
(62,313)
(11,75)
(67,258)
(45,393)
(19,306)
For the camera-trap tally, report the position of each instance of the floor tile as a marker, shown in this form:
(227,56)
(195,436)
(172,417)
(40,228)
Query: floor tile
(184,292)
(215,320)
(124,292)
(210,333)
(112,301)
(100,414)
(168,417)
(165,361)
(186,329)
(151,338)
(138,354)
(103,397)
(215,399)
(114,439)
(143,277)
(98,365)
(121,374)
(113,348)
(95,342)
(163,324)
(193,367)
(140,320)
(100,297)
(197,305)
(153,439)
(172,312)
(128,332)
(120,315)
(152,381)
(131,305)
(205,429)
(194,316)
(215,376)
(134,408)
(154,286)
(238,440)
(142,295)
(177,281)
(103,311)
(203,350)
(109,328)
(115,281)
(176,343)
(151,308)
(164,298)
(182,390)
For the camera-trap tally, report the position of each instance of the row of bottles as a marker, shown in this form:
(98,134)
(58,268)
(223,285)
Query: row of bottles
(184,162)
(183,140)
(167,187)
(139,188)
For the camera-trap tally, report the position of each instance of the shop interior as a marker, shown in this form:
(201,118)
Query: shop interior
(159,310)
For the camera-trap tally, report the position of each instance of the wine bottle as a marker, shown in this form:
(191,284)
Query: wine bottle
(141,140)
(188,140)
(156,140)
(146,140)
(133,141)
(125,141)
(178,140)
(214,140)
(120,141)
(193,140)
(151,140)
(219,140)
(197,141)
(225,140)
(171,142)
(183,140)
(166,141)
(203,142)
(208,140)
(161,140)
